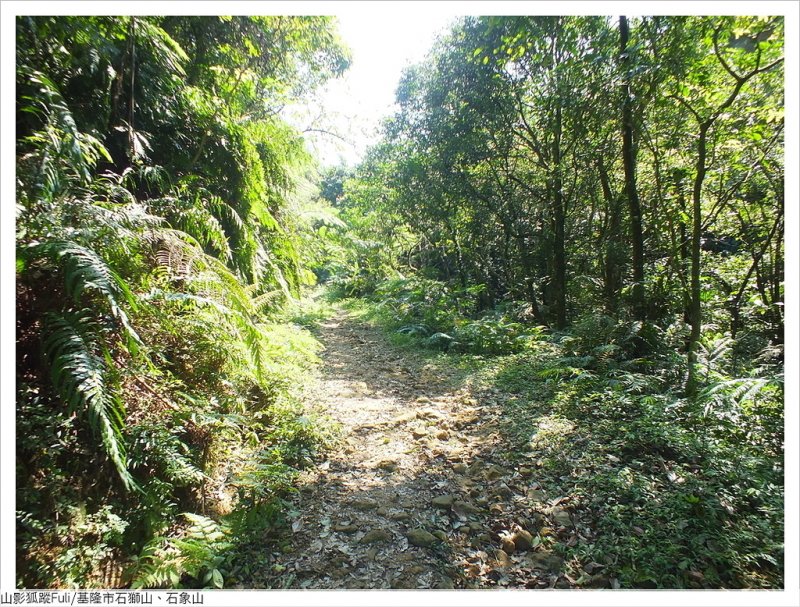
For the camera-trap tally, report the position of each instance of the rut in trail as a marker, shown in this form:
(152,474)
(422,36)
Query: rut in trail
(404,500)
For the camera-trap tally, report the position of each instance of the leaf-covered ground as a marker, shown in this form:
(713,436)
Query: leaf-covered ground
(470,472)
(416,495)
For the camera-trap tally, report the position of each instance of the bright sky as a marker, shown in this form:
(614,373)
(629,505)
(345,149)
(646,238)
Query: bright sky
(353,106)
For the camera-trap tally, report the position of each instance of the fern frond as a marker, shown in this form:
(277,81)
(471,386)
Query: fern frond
(165,560)
(193,218)
(165,47)
(79,376)
(85,270)
(322,217)
(261,302)
(60,139)
(739,390)
(212,281)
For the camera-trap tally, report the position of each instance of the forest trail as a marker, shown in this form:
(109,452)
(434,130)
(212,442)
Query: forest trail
(412,497)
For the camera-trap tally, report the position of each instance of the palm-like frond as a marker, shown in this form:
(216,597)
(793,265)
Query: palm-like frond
(61,148)
(80,377)
(212,282)
(85,270)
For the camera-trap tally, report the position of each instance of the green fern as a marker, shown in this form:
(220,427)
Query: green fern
(196,552)
(194,217)
(80,377)
(85,270)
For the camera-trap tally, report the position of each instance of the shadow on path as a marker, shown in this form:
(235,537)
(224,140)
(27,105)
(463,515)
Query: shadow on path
(416,495)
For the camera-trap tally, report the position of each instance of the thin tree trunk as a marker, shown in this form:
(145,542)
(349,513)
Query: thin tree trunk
(132,109)
(695,311)
(612,260)
(629,163)
(559,219)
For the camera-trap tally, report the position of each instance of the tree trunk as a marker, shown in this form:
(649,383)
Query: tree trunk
(629,163)
(613,260)
(695,312)
(559,219)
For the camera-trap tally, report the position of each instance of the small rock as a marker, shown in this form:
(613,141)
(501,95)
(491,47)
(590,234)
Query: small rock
(389,465)
(503,490)
(405,417)
(372,553)
(508,546)
(361,503)
(537,520)
(401,583)
(375,536)
(382,511)
(562,517)
(695,576)
(345,528)
(443,501)
(429,414)
(523,540)
(495,575)
(445,584)
(474,469)
(536,495)
(465,507)
(591,567)
(459,468)
(546,561)
(475,526)
(525,472)
(502,558)
(419,433)
(494,472)
(399,516)
(597,581)
(563,583)
(442,435)
(421,538)
(440,535)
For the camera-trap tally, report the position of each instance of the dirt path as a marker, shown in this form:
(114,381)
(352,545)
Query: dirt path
(413,497)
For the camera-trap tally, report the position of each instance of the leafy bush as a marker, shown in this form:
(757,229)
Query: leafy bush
(190,557)
(496,334)
(670,491)
(149,357)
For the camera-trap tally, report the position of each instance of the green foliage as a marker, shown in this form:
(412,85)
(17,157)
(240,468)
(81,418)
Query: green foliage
(158,231)
(441,316)
(496,334)
(80,376)
(167,218)
(662,489)
(191,557)
(85,271)
(99,537)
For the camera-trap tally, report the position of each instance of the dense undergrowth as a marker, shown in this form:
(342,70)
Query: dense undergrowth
(666,492)
(162,230)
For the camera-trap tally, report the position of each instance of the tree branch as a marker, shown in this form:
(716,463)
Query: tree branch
(720,58)
(685,103)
